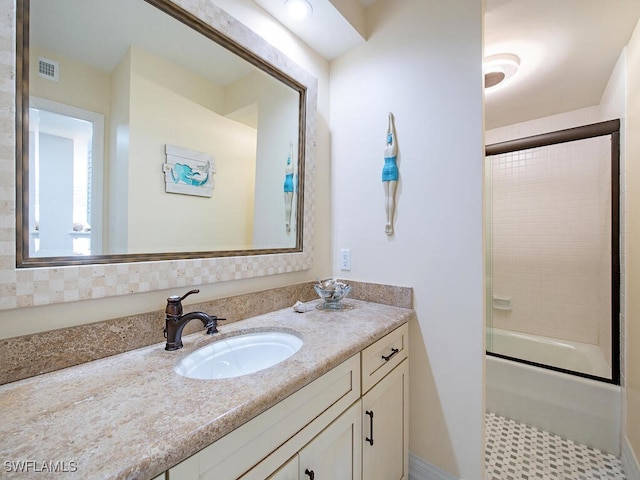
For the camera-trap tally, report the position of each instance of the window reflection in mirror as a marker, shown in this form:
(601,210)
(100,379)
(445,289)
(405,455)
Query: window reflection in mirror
(112,86)
(65,157)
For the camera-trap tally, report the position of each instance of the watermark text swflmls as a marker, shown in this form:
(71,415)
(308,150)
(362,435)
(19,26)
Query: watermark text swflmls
(38,466)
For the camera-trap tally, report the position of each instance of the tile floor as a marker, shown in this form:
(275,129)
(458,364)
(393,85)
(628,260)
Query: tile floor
(517,451)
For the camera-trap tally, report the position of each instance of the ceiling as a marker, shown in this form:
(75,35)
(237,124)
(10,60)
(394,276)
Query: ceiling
(567,48)
(344,19)
(99,33)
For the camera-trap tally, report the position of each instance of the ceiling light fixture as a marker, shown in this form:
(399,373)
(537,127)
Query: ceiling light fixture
(299,9)
(498,69)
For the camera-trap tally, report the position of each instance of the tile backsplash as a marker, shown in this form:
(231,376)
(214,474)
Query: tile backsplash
(31,355)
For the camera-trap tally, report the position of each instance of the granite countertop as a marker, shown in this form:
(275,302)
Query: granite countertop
(130,416)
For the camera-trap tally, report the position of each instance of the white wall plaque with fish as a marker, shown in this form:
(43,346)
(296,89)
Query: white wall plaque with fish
(188,172)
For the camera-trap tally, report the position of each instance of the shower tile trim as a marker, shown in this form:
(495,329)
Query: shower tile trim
(35,354)
(28,287)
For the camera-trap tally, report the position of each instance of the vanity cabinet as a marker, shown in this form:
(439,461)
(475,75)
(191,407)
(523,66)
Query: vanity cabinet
(385,413)
(289,471)
(334,453)
(323,431)
(270,439)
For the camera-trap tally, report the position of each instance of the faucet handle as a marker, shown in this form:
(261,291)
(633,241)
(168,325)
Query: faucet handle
(174,303)
(187,294)
(212,326)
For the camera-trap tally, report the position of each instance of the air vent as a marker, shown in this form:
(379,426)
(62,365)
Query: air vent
(48,69)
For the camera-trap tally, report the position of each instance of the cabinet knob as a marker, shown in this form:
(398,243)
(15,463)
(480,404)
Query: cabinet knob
(310,473)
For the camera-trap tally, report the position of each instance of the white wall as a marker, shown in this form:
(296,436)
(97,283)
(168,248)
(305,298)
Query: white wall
(632,242)
(160,116)
(276,106)
(276,132)
(575,118)
(423,63)
(79,85)
(117,160)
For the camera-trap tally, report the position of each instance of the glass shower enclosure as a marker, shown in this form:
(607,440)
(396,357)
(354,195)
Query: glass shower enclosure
(553,266)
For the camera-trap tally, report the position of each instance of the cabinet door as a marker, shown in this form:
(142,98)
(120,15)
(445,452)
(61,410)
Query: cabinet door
(385,427)
(289,471)
(336,452)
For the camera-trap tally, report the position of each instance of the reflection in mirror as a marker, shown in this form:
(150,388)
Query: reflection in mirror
(148,140)
(65,168)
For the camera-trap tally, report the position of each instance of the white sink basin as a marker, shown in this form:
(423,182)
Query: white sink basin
(239,355)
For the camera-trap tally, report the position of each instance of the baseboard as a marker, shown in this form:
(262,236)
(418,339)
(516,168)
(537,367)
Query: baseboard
(421,470)
(630,463)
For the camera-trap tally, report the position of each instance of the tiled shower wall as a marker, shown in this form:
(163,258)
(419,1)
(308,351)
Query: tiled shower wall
(550,238)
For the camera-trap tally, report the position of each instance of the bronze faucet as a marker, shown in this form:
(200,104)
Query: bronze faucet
(175,321)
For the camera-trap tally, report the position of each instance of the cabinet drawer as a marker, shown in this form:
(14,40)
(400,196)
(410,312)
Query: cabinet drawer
(381,357)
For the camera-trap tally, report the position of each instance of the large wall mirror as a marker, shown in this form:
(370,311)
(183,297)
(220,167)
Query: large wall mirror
(145,134)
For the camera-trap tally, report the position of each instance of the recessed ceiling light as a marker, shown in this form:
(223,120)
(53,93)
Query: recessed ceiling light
(498,69)
(299,9)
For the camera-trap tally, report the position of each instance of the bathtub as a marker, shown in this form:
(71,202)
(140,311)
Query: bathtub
(576,408)
(575,356)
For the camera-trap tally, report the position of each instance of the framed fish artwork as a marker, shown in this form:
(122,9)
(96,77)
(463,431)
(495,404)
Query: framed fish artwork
(188,172)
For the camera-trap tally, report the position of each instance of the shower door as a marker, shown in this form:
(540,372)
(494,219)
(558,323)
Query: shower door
(553,250)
